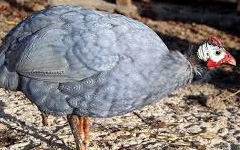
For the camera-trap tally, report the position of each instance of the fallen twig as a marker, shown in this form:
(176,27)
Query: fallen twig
(233,94)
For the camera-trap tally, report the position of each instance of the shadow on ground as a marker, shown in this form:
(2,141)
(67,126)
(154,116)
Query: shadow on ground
(30,131)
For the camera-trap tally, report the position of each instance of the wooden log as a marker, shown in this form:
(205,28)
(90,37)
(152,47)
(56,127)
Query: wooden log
(124,2)
(125,7)
(224,21)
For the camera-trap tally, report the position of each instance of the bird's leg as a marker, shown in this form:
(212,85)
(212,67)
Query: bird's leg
(74,122)
(86,131)
(80,130)
(44,119)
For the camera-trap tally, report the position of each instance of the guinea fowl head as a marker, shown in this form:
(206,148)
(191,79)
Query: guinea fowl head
(214,54)
(210,55)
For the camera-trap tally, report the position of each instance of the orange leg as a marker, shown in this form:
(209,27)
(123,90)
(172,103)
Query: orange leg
(80,130)
(86,131)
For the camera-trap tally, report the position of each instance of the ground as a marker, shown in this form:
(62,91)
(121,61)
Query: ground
(203,115)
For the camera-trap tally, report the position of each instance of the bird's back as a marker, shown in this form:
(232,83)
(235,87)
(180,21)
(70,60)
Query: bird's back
(69,60)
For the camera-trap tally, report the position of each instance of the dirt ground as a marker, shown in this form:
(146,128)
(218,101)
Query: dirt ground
(201,116)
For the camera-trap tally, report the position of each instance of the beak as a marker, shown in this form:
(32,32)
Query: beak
(229,59)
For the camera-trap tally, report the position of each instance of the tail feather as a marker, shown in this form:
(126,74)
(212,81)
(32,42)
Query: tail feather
(8,80)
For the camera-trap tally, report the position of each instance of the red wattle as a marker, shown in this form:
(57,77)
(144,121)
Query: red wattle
(211,64)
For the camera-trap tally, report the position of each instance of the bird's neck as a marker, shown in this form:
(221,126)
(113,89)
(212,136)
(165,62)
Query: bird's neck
(198,66)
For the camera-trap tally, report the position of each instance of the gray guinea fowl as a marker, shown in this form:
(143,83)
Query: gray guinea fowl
(85,63)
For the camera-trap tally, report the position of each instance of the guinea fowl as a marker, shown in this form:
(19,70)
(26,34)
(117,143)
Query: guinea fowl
(85,63)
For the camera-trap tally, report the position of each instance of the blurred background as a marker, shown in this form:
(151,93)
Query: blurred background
(203,116)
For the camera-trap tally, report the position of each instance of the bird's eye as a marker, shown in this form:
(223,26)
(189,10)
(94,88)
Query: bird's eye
(218,52)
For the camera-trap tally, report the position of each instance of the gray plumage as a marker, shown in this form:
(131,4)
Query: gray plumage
(69,60)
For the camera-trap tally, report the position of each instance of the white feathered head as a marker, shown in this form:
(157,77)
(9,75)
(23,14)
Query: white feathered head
(214,53)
